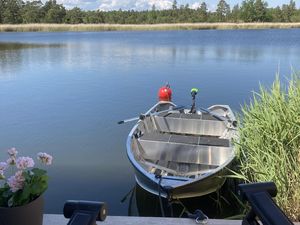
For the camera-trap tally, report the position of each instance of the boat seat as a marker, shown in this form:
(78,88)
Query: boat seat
(185,139)
(190,124)
(203,116)
(184,153)
(174,168)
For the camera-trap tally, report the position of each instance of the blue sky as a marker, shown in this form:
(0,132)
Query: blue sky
(147,4)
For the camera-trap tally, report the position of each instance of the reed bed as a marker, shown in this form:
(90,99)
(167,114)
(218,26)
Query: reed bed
(269,144)
(144,27)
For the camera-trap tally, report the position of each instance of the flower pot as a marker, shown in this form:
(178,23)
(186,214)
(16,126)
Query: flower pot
(29,214)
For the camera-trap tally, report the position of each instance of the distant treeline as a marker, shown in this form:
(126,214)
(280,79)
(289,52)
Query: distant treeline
(17,11)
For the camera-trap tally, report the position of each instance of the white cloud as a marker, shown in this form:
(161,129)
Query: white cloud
(147,4)
(210,6)
(83,4)
(195,5)
(107,5)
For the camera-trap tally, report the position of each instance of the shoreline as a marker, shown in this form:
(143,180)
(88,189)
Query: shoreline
(142,27)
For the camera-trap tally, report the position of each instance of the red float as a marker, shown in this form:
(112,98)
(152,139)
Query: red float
(165,93)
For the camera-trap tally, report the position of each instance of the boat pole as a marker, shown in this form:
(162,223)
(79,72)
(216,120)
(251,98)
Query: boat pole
(194,92)
(143,116)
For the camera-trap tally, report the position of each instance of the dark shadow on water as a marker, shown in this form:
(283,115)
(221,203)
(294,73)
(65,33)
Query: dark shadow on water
(217,205)
(18,46)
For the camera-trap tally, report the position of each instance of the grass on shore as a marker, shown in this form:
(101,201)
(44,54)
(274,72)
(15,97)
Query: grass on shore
(137,27)
(269,145)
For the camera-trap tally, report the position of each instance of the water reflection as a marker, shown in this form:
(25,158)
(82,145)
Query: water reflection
(15,55)
(221,204)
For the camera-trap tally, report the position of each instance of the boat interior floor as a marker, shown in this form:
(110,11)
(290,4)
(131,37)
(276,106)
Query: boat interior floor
(187,156)
(182,144)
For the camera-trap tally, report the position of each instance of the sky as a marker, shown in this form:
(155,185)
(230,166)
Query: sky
(107,5)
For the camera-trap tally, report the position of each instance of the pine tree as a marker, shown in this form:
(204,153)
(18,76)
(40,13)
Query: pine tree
(288,11)
(223,11)
(235,13)
(54,13)
(248,11)
(174,5)
(152,15)
(31,12)
(203,12)
(2,7)
(74,16)
(277,15)
(12,11)
(260,11)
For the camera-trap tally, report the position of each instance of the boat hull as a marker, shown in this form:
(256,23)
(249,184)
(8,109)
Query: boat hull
(197,188)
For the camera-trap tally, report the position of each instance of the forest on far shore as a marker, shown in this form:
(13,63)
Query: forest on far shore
(20,12)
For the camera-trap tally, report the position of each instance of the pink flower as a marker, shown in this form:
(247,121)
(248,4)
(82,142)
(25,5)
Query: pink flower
(2,176)
(16,182)
(12,152)
(24,162)
(45,158)
(3,166)
(11,160)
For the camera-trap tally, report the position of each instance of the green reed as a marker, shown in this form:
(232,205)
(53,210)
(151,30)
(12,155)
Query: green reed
(269,142)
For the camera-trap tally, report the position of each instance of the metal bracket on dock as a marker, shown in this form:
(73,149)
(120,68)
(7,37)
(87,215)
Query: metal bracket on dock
(85,212)
(259,196)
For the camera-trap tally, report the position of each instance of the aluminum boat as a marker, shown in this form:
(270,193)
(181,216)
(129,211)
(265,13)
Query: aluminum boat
(178,152)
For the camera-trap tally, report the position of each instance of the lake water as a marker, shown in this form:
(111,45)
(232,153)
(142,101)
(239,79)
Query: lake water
(63,93)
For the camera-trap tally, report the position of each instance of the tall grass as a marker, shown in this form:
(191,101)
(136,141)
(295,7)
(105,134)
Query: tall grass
(133,27)
(269,145)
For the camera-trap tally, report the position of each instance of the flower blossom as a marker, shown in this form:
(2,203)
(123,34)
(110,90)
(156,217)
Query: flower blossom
(24,162)
(3,166)
(45,158)
(11,161)
(12,152)
(16,182)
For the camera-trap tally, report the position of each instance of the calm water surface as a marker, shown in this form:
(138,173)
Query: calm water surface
(63,93)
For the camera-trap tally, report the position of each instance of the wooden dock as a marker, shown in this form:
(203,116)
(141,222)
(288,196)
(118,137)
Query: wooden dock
(122,220)
(51,219)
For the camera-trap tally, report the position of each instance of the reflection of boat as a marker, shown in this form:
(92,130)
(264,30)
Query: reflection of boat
(178,153)
(143,203)
(220,204)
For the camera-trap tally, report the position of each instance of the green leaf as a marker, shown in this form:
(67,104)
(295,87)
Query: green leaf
(24,195)
(38,172)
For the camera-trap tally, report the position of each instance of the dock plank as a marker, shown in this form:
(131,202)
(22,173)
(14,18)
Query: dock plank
(52,219)
(122,220)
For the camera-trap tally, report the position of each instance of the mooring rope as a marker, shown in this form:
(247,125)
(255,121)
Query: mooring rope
(159,196)
(198,215)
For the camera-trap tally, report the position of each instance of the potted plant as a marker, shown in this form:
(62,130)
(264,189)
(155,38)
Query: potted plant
(21,188)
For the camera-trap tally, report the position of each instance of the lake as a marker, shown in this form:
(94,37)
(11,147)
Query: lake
(63,93)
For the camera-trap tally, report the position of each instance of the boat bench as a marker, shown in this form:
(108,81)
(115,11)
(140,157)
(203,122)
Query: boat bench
(203,116)
(186,139)
(190,124)
(175,168)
